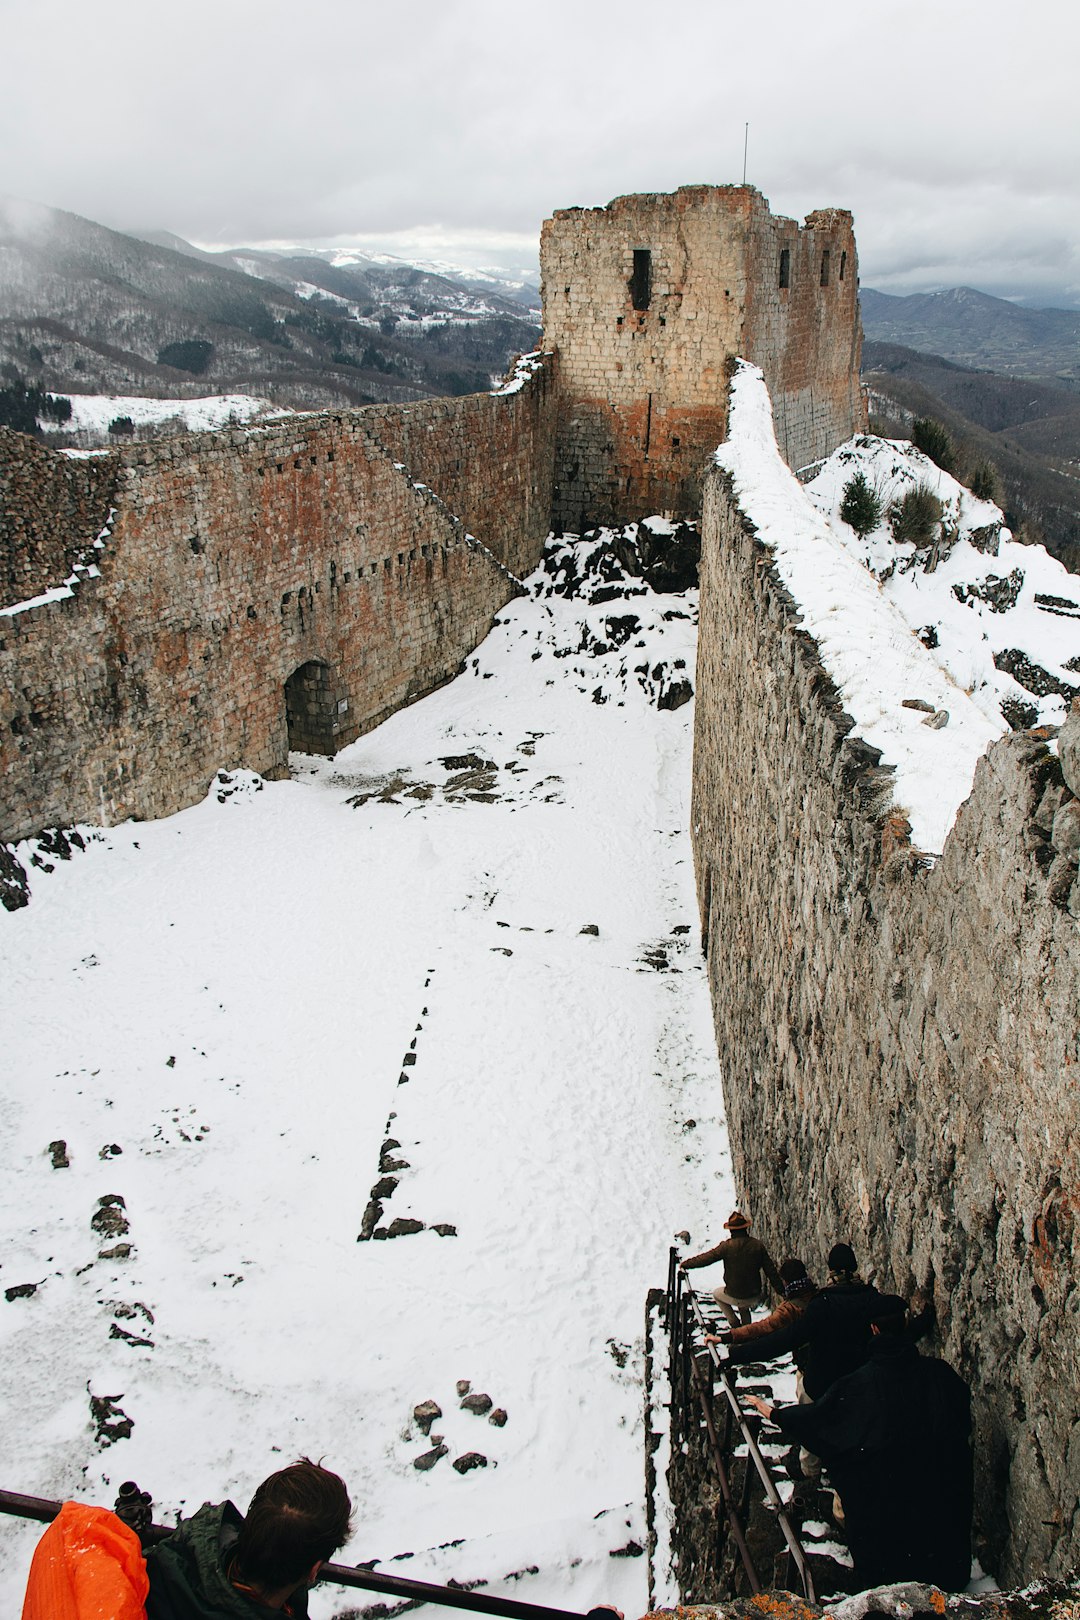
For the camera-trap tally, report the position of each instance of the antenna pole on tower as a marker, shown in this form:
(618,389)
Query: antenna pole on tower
(745,144)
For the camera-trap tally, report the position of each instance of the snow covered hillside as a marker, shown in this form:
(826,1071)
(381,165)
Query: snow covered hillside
(936,646)
(450,979)
(91,415)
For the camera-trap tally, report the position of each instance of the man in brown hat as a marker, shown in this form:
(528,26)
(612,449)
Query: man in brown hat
(744,1259)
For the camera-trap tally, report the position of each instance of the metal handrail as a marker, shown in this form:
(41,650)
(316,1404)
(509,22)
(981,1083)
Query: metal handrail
(451,1597)
(678,1291)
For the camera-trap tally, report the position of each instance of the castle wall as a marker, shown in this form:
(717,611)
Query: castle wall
(51,509)
(236,558)
(643,390)
(900,1045)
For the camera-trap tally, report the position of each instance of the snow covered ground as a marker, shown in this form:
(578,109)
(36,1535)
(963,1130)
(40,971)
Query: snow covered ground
(92,413)
(485,972)
(936,649)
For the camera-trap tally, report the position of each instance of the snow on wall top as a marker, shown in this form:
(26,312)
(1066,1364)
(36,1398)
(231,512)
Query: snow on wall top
(866,645)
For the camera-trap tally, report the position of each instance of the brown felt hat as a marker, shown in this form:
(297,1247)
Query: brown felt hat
(737,1221)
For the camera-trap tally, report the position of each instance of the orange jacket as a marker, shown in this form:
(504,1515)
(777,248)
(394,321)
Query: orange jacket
(87,1566)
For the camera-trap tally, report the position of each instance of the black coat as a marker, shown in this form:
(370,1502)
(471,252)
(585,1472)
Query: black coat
(832,1337)
(895,1437)
(189,1577)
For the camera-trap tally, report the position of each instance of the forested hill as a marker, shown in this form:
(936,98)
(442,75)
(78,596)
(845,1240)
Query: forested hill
(88,310)
(976,329)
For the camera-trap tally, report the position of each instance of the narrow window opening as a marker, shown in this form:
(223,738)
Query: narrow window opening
(825,258)
(641,280)
(785,267)
(843,265)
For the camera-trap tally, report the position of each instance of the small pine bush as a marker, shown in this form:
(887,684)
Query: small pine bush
(122,427)
(861,505)
(984,481)
(935,441)
(915,517)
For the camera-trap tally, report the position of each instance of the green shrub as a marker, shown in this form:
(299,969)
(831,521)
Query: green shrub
(122,427)
(861,506)
(984,481)
(935,441)
(916,516)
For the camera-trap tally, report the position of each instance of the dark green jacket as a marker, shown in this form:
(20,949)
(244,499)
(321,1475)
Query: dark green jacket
(189,1572)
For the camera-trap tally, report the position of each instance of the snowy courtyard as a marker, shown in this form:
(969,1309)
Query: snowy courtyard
(451,977)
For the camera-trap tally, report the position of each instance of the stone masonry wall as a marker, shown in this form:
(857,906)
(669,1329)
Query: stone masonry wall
(234,560)
(643,369)
(51,509)
(900,1045)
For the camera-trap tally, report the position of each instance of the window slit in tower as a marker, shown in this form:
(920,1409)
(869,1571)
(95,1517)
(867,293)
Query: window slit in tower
(785,267)
(640,281)
(843,266)
(825,257)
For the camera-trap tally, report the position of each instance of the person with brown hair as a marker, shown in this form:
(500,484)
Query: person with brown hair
(219,1566)
(744,1259)
(799,1290)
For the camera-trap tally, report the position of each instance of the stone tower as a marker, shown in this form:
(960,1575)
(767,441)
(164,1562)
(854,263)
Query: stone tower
(646,303)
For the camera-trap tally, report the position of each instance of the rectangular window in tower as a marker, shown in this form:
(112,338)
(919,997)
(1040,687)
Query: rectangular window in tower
(785,267)
(641,280)
(825,257)
(843,265)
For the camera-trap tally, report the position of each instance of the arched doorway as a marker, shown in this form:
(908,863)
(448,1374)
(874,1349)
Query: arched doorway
(311,710)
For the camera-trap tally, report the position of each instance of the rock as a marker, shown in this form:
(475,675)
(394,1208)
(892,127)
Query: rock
(428,1459)
(938,720)
(59,1153)
(918,703)
(117,1332)
(14,886)
(470,1460)
(404,1226)
(463,1386)
(111,1150)
(119,1251)
(108,1219)
(444,1229)
(498,1417)
(1060,882)
(1065,831)
(425,1415)
(465,762)
(372,1217)
(590,928)
(678,693)
(632,1549)
(110,1423)
(477,1403)
(1069,747)
(20,1291)
(385,1187)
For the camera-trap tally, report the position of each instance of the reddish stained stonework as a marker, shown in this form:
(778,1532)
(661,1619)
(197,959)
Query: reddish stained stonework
(234,559)
(647,301)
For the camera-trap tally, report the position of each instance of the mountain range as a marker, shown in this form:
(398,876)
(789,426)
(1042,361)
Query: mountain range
(977,330)
(86,309)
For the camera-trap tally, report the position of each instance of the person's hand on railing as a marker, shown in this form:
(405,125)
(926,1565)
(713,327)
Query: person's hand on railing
(760,1406)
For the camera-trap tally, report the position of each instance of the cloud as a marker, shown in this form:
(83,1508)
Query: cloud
(946,128)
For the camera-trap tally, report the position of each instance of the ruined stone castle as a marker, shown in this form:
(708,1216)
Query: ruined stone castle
(899,1038)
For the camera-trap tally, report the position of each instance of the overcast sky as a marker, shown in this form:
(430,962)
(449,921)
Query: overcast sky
(455,126)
